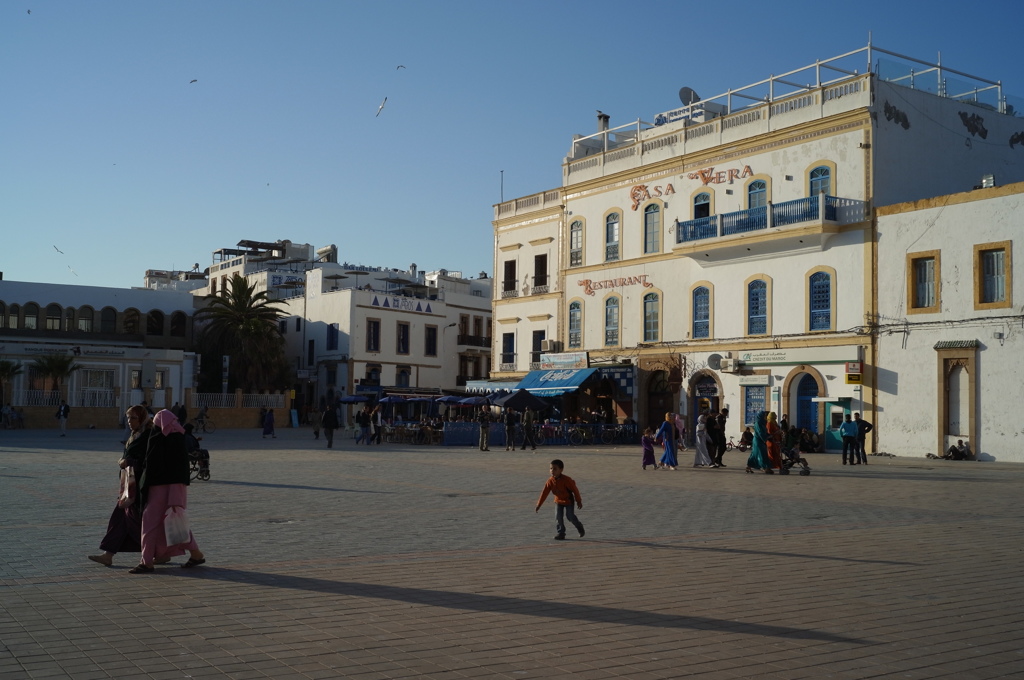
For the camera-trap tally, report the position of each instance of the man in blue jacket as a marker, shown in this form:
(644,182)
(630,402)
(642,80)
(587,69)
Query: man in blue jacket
(849,432)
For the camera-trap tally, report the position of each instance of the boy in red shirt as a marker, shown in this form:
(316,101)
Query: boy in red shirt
(565,492)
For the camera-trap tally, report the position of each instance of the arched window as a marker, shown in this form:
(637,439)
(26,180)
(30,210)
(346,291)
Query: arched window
(821,180)
(31,316)
(701,312)
(576,244)
(652,229)
(131,321)
(757,194)
(611,237)
(178,323)
(820,296)
(651,317)
(757,308)
(12,316)
(108,320)
(701,205)
(53,315)
(85,317)
(69,319)
(575,324)
(402,376)
(611,322)
(155,323)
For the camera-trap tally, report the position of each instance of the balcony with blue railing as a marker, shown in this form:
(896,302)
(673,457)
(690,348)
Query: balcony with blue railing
(786,225)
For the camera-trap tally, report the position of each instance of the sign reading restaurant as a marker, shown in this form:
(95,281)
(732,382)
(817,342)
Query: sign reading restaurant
(589,285)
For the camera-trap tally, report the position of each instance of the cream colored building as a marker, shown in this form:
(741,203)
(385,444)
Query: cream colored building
(727,252)
(950,324)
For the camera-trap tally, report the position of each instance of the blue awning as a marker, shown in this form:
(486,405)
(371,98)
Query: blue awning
(555,382)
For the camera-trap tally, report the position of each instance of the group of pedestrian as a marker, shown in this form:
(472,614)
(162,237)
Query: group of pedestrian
(156,460)
(709,441)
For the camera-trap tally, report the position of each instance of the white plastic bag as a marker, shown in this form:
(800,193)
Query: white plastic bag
(176,526)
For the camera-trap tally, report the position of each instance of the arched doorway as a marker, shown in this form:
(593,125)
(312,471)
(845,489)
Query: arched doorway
(659,399)
(704,398)
(806,407)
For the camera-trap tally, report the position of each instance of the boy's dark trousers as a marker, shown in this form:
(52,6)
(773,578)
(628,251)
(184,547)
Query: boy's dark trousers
(567,511)
(850,444)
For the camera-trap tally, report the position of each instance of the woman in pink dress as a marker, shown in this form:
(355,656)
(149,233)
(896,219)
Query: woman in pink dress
(164,485)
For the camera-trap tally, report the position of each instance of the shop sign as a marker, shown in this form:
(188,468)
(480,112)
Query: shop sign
(854,367)
(802,355)
(642,192)
(712,176)
(589,285)
(854,379)
(564,360)
(749,380)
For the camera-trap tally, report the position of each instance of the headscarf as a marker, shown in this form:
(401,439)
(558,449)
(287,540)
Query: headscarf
(701,421)
(167,422)
(761,426)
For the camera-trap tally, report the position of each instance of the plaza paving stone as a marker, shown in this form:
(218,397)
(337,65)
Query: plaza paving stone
(405,561)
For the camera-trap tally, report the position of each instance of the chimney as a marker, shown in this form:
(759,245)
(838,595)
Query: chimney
(602,121)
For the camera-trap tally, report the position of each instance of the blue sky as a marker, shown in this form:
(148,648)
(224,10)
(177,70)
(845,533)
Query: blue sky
(109,153)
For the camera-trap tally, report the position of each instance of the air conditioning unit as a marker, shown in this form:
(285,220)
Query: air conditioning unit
(550,345)
(729,366)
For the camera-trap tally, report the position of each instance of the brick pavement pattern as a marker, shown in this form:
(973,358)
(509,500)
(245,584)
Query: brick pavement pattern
(429,562)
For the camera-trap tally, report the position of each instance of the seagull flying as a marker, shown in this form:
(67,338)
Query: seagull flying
(381,107)
(73,271)
(58,250)
(399,66)
(193,81)
(30,11)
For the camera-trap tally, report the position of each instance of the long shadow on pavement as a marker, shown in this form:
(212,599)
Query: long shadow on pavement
(500,604)
(738,551)
(290,486)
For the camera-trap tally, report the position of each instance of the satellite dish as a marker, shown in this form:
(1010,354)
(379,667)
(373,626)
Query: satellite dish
(715,361)
(687,96)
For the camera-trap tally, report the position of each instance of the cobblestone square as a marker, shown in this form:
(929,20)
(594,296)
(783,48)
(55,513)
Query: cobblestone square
(427,561)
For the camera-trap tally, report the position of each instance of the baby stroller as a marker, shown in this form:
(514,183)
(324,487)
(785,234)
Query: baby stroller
(198,457)
(793,458)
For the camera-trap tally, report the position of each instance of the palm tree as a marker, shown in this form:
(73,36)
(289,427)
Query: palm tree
(243,324)
(57,367)
(8,371)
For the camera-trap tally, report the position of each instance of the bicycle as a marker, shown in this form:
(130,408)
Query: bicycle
(731,444)
(617,434)
(204,425)
(577,435)
(538,435)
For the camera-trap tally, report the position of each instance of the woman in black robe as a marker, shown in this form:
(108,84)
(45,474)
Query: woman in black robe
(124,530)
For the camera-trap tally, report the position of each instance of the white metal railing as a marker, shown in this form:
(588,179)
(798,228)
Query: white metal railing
(35,398)
(262,401)
(94,398)
(213,400)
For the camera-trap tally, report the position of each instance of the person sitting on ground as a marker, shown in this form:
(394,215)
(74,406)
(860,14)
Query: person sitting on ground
(747,438)
(959,452)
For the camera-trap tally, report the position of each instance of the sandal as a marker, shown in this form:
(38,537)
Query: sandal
(141,569)
(193,562)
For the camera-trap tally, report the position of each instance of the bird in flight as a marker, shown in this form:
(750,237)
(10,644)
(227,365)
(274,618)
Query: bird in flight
(73,271)
(58,250)
(381,107)
(399,66)
(30,11)
(193,81)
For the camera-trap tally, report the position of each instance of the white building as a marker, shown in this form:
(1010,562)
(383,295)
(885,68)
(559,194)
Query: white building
(395,330)
(728,251)
(361,329)
(951,324)
(131,344)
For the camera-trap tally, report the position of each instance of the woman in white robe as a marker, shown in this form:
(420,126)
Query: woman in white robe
(700,441)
